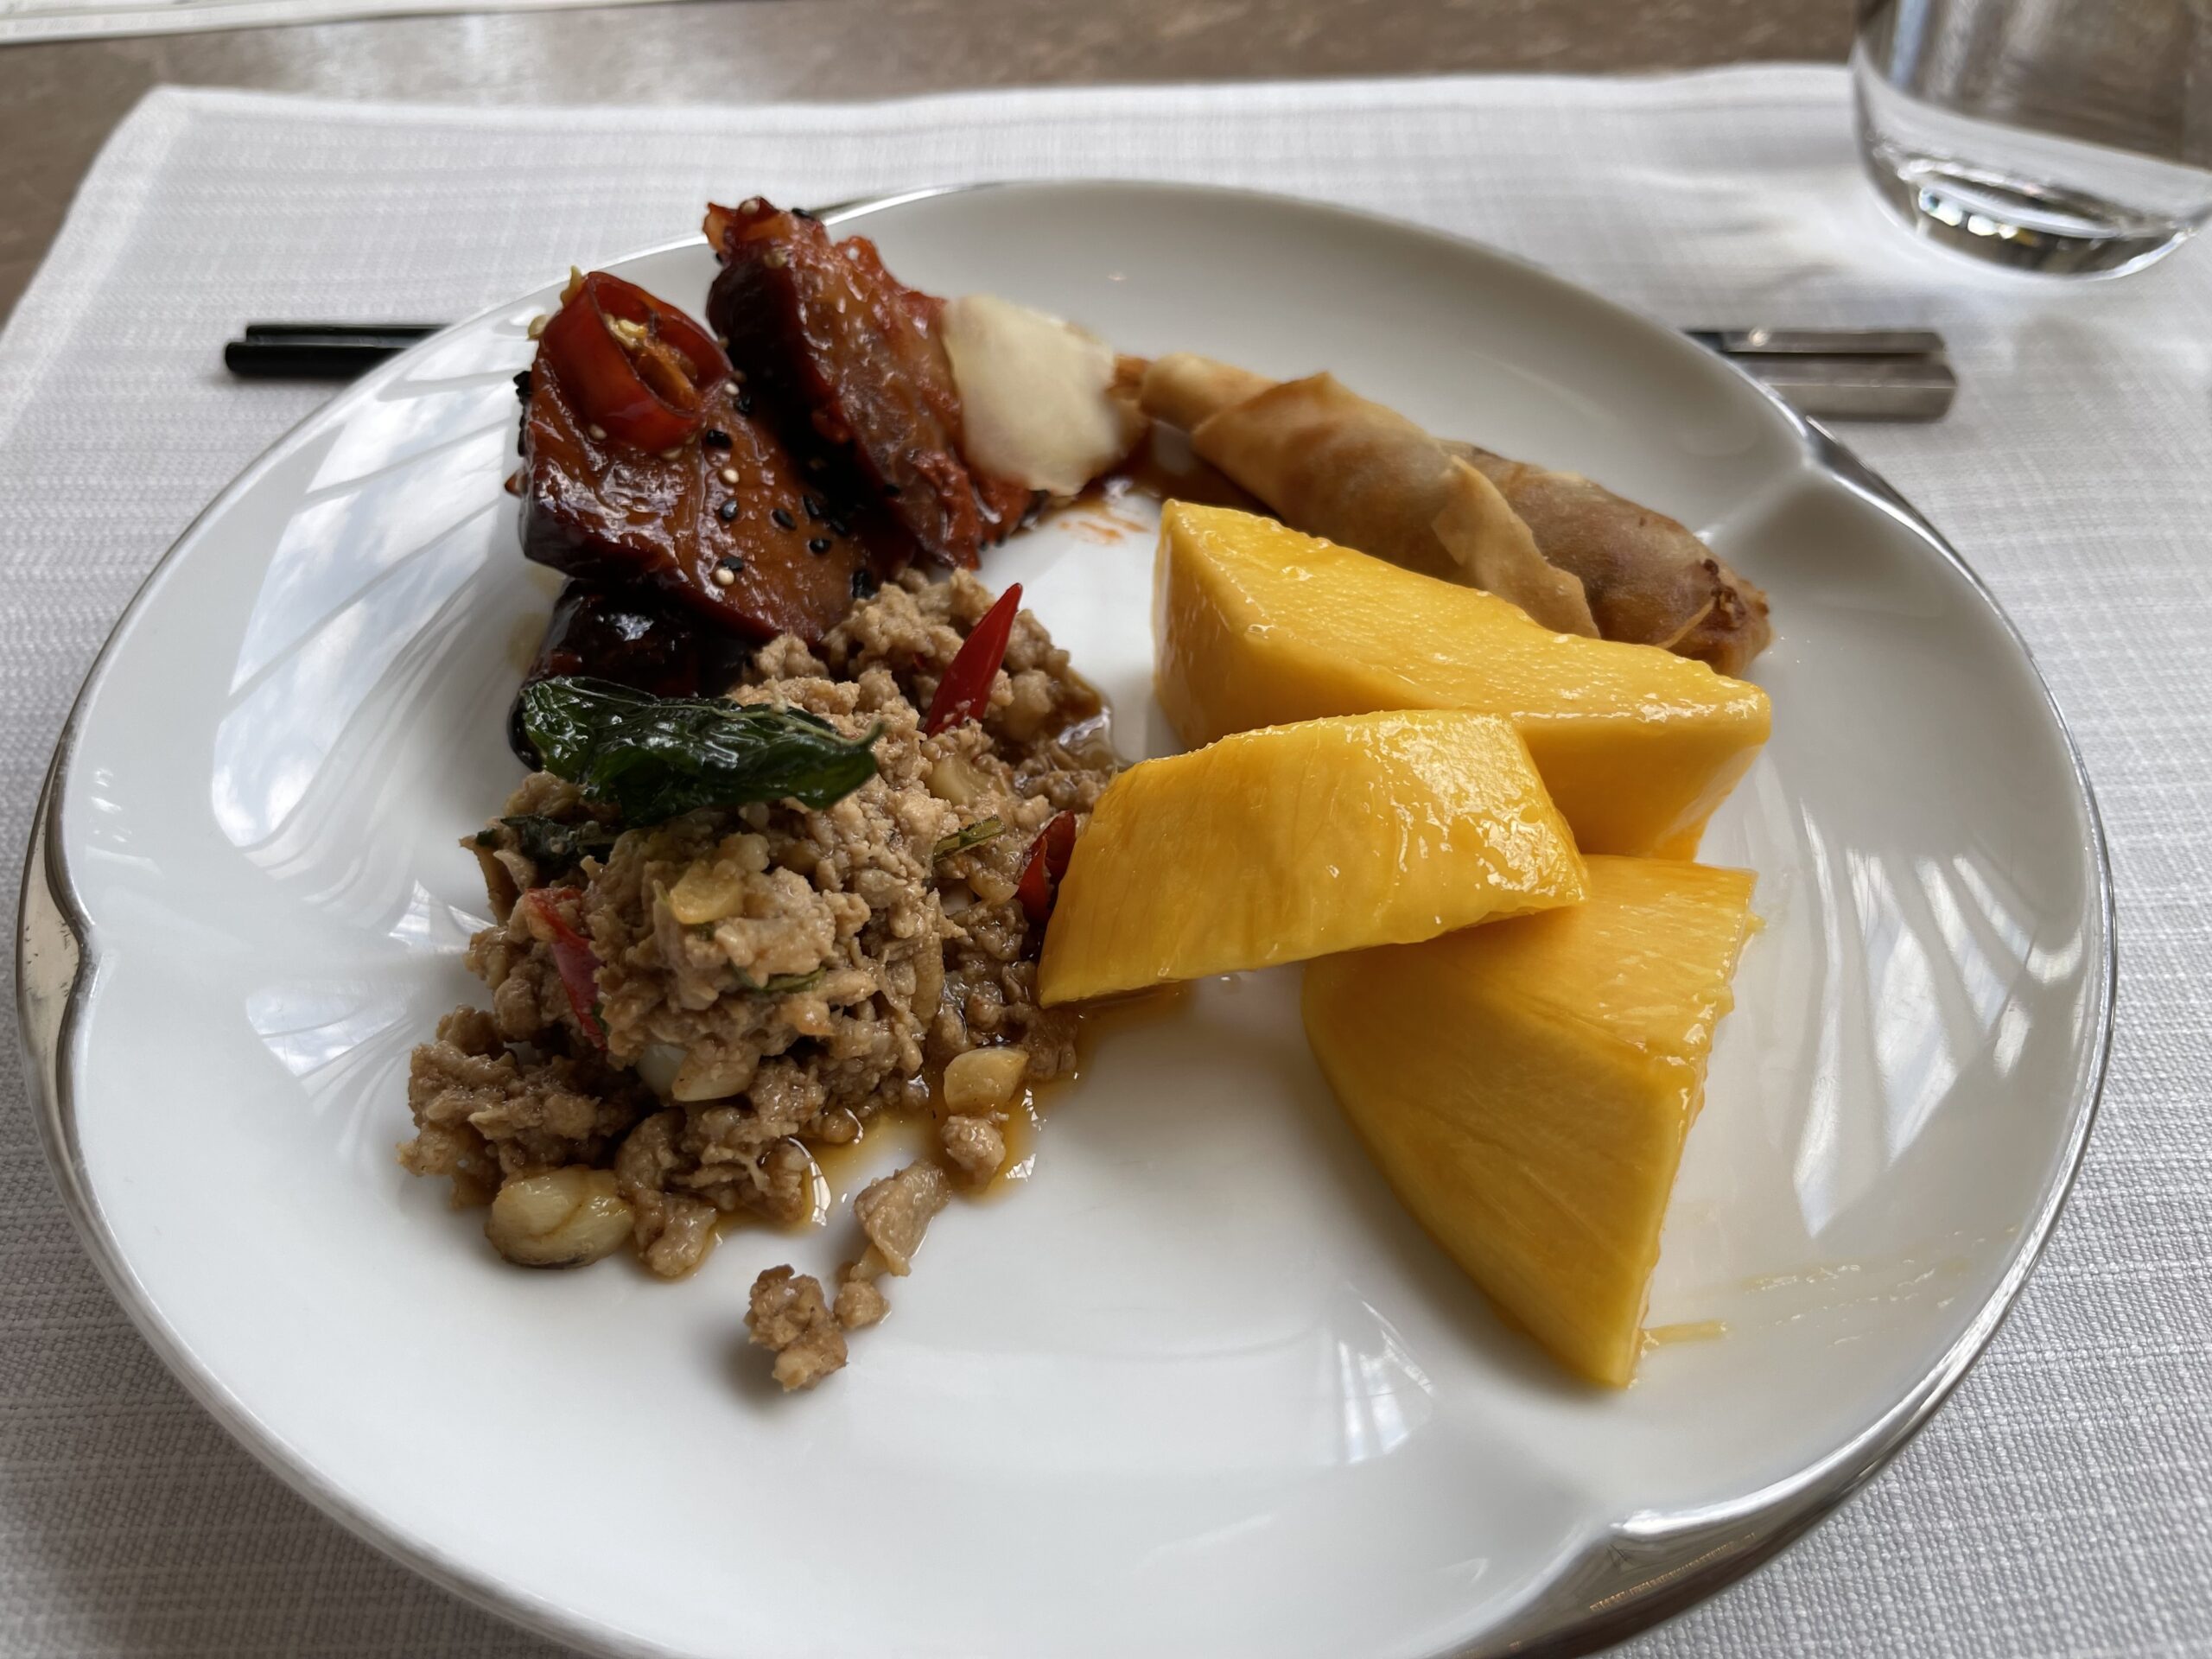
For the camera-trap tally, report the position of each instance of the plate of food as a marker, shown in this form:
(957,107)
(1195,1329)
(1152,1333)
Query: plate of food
(1060,919)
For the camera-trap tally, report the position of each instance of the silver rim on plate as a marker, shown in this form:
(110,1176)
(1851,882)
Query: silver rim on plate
(1652,1566)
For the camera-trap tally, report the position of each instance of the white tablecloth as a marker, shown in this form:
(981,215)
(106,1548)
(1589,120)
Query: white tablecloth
(2061,1504)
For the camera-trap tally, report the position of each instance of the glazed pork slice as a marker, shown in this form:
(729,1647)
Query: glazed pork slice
(634,636)
(848,363)
(723,524)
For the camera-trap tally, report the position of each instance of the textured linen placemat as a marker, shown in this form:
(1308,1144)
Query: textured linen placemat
(2061,1504)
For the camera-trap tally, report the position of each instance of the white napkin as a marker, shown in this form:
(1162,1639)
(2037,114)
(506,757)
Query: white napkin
(2058,1505)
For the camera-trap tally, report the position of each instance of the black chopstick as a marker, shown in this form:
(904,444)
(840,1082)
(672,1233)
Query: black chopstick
(1867,374)
(319,351)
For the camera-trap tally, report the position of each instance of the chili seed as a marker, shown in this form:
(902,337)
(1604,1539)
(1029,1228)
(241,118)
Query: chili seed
(784,519)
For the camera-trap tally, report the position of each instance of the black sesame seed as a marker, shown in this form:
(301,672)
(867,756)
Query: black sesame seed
(863,582)
(891,489)
(731,562)
(745,403)
(836,528)
(714,438)
(819,544)
(727,510)
(784,519)
(812,505)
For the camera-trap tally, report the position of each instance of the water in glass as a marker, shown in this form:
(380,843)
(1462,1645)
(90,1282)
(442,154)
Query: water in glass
(2071,137)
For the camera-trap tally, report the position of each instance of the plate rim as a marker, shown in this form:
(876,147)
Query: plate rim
(1647,1568)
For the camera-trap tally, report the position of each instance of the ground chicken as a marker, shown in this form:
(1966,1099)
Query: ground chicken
(789,1318)
(770,978)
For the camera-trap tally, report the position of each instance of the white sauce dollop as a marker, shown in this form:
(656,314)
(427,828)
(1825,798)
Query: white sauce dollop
(1035,395)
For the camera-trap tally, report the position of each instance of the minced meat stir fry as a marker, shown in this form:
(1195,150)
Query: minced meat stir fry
(680,1009)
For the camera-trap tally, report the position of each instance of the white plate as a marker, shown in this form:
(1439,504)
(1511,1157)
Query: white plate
(1199,1387)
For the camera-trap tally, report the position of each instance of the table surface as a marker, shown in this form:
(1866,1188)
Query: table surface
(59,101)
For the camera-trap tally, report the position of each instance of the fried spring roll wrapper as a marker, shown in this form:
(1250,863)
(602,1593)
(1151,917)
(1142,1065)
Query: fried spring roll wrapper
(1646,579)
(1334,464)
(1183,389)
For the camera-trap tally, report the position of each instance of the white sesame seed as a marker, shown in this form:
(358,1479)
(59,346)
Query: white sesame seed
(537,325)
(750,204)
(598,432)
(723,578)
(672,453)
(729,477)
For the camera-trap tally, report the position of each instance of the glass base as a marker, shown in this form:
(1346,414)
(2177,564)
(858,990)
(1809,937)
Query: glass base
(2016,222)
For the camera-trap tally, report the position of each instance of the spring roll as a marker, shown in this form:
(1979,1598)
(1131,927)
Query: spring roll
(1645,579)
(1335,465)
(1183,388)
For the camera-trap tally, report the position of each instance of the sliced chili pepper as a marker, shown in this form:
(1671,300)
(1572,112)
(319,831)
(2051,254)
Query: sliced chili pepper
(1048,862)
(634,364)
(965,692)
(577,961)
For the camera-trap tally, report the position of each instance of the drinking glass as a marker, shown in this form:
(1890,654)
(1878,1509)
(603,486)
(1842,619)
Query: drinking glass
(2070,136)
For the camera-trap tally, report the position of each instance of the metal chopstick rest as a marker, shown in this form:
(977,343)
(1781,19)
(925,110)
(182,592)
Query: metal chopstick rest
(1843,374)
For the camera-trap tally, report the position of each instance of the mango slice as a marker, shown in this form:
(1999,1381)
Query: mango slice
(1527,1088)
(1258,624)
(1295,840)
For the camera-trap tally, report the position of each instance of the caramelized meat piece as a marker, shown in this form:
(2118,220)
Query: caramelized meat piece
(632,636)
(721,524)
(847,360)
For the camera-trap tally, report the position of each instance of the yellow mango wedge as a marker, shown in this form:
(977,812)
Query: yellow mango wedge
(1258,624)
(1527,1088)
(1295,840)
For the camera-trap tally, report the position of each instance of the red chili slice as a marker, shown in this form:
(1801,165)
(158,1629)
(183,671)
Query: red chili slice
(643,383)
(1048,862)
(577,961)
(965,692)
